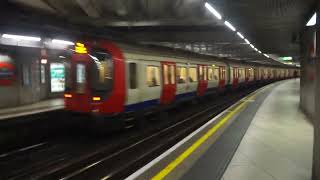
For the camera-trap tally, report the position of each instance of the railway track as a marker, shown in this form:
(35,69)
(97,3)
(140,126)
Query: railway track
(113,157)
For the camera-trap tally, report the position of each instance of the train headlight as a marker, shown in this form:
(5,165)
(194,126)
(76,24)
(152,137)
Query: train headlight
(67,95)
(96,98)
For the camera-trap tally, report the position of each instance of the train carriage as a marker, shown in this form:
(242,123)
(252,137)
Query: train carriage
(107,79)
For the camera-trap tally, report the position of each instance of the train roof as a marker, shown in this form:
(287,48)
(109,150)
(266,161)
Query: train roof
(148,49)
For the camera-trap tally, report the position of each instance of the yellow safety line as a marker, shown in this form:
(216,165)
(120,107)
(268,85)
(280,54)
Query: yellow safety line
(163,173)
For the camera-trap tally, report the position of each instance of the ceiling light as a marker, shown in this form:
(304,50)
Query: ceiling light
(213,11)
(246,40)
(44,61)
(313,20)
(59,41)
(240,35)
(255,49)
(259,52)
(252,46)
(18,37)
(266,55)
(289,58)
(229,25)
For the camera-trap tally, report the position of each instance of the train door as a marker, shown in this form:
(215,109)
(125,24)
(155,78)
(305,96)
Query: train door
(247,75)
(203,79)
(255,74)
(169,87)
(235,82)
(78,90)
(222,76)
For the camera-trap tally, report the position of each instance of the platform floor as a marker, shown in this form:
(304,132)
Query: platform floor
(42,106)
(278,143)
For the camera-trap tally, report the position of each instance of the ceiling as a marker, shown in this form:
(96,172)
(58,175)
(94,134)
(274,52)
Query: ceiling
(273,26)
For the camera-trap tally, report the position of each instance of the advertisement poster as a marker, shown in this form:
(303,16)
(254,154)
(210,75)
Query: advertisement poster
(57,72)
(7,71)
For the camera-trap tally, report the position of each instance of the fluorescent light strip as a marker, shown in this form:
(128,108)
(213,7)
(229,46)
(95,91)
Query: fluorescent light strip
(313,20)
(19,37)
(252,46)
(59,41)
(246,40)
(266,55)
(240,35)
(213,11)
(229,25)
(260,52)
(255,49)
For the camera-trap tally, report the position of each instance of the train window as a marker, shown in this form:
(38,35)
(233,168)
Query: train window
(133,75)
(171,75)
(101,71)
(216,74)
(251,73)
(241,73)
(222,74)
(165,74)
(181,75)
(210,74)
(235,73)
(201,74)
(193,74)
(153,76)
(205,73)
(168,74)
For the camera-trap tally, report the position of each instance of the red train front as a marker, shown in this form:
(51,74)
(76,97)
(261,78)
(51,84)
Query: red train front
(97,79)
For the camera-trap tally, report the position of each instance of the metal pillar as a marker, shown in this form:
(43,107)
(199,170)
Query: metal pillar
(316,119)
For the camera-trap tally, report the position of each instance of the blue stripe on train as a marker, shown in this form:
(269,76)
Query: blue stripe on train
(185,96)
(142,105)
(155,102)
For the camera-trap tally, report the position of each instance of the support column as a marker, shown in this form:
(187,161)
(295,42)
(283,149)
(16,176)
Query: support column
(316,119)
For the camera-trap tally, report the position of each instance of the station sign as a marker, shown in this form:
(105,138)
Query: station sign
(7,70)
(57,72)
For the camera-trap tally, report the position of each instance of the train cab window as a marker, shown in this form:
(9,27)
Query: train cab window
(193,74)
(153,76)
(101,71)
(210,74)
(133,75)
(181,75)
(80,78)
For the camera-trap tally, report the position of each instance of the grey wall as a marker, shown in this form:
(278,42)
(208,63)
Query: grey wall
(21,93)
(307,85)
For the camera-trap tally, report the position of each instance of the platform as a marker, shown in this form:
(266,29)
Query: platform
(278,144)
(39,107)
(263,136)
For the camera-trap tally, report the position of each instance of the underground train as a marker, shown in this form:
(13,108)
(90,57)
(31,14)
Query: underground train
(108,78)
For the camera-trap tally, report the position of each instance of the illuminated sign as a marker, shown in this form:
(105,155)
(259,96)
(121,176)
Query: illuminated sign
(57,72)
(79,48)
